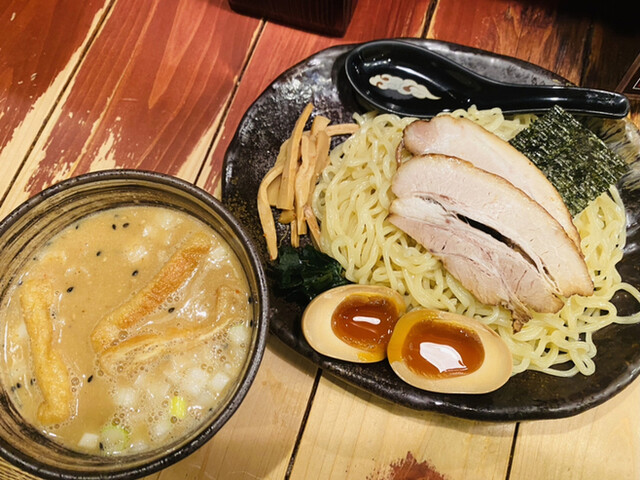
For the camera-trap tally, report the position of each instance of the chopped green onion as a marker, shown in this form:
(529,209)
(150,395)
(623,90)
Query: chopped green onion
(113,439)
(178,407)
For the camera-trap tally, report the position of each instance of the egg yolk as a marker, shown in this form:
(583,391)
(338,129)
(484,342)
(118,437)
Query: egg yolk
(365,321)
(440,349)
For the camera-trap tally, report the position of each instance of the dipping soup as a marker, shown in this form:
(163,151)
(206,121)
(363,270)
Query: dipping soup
(126,330)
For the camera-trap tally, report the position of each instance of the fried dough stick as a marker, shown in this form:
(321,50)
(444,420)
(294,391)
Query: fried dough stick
(172,275)
(142,349)
(51,373)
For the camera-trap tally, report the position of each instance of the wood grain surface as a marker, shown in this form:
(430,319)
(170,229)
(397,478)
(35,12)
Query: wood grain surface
(162,85)
(148,94)
(533,31)
(371,20)
(40,48)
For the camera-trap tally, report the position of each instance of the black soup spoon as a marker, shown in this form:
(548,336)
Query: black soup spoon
(398,77)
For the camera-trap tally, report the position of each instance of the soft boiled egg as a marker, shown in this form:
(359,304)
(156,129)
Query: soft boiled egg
(353,322)
(448,353)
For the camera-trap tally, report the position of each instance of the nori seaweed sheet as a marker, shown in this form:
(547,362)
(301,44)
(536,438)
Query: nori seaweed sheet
(572,157)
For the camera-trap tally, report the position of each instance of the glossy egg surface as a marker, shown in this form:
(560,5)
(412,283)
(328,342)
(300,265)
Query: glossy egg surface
(448,353)
(353,322)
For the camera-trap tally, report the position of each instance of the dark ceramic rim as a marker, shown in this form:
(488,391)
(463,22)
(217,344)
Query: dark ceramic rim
(34,466)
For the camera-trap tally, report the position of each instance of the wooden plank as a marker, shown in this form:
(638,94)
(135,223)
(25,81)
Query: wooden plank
(538,32)
(353,435)
(258,440)
(615,45)
(41,44)
(9,472)
(371,20)
(612,52)
(148,95)
(597,444)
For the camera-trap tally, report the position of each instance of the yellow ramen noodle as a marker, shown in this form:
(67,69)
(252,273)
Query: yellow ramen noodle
(126,331)
(352,202)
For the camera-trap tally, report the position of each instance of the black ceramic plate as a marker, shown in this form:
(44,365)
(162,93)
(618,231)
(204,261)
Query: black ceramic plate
(530,395)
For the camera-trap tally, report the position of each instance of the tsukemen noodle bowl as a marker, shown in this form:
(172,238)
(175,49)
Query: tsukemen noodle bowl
(133,311)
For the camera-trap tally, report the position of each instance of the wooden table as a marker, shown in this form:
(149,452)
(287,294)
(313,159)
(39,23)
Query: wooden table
(162,85)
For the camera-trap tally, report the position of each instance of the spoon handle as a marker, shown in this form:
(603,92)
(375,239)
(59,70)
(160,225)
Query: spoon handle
(539,98)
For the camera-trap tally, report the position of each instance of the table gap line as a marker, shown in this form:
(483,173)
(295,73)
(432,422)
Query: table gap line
(228,104)
(512,451)
(303,424)
(428,18)
(74,71)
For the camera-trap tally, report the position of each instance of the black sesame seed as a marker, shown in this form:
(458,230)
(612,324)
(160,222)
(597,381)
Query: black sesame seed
(114,226)
(70,289)
(32,381)
(101,446)
(90,378)
(171,309)
(251,323)
(135,272)
(250,299)
(18,385)
(125,225)
(98,253)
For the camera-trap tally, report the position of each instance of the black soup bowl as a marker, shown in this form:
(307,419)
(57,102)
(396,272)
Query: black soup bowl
(34,223)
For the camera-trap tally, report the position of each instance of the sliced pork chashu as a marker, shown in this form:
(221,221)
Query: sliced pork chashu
(492,270)
(462,138)
(489,203)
